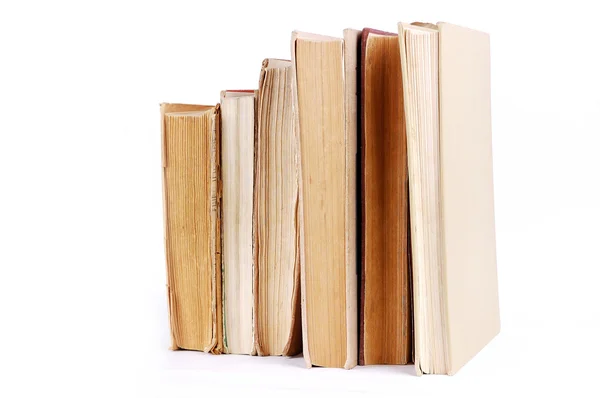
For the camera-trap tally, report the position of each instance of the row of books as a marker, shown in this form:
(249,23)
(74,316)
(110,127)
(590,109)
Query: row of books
(344,209)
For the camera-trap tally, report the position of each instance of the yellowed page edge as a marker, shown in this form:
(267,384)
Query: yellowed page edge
(402,26)
(305,351)
(165,226)
(351,37)
(166,108)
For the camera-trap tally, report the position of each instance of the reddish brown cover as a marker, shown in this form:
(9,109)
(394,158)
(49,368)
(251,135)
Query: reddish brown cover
(362,181)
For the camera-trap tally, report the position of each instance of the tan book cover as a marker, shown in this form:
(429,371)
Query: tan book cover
(191,197)
(277,270)
(325,87)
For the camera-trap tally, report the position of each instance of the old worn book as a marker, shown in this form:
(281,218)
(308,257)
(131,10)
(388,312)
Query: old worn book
(325,84)
(385,306)
(192,195)
(446,80)
(277,270)
(237,165)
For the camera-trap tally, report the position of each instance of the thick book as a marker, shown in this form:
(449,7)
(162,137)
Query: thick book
(277,269)
(385,312)
(238,123)
(192,221)
(446,93)
(325,86)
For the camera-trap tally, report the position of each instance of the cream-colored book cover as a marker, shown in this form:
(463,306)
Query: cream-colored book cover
(446,70)
(467,189)
(238,108)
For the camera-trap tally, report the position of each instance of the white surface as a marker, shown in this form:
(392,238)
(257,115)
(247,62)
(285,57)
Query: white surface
(82,275)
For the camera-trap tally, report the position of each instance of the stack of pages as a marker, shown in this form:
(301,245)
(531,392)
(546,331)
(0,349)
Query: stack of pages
(344,209)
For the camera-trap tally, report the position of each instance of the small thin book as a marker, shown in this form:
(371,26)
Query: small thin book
(238,125)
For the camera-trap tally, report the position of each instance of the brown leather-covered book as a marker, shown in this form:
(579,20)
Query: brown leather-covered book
(385,320)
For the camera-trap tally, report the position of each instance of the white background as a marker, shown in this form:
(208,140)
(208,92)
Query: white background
(82,271)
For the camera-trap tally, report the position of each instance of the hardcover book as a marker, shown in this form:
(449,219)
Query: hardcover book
(192,212)
(277,278)
(446,80)
(325,85)
(238,121)
(385,307)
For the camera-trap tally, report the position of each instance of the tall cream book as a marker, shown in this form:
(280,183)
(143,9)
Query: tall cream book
(192,195)
(277,270)
(238,108)
(326,88)
(446,80)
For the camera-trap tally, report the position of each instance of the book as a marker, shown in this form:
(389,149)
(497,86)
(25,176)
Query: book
(192,195)
(385,288)
(446,79)
(277,270)
(325,86)
(237,154)
(276,243)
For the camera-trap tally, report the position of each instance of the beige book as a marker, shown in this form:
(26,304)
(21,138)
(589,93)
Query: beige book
(446,75)
(192,192)
(237,160)
(325,85)
(277,270)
